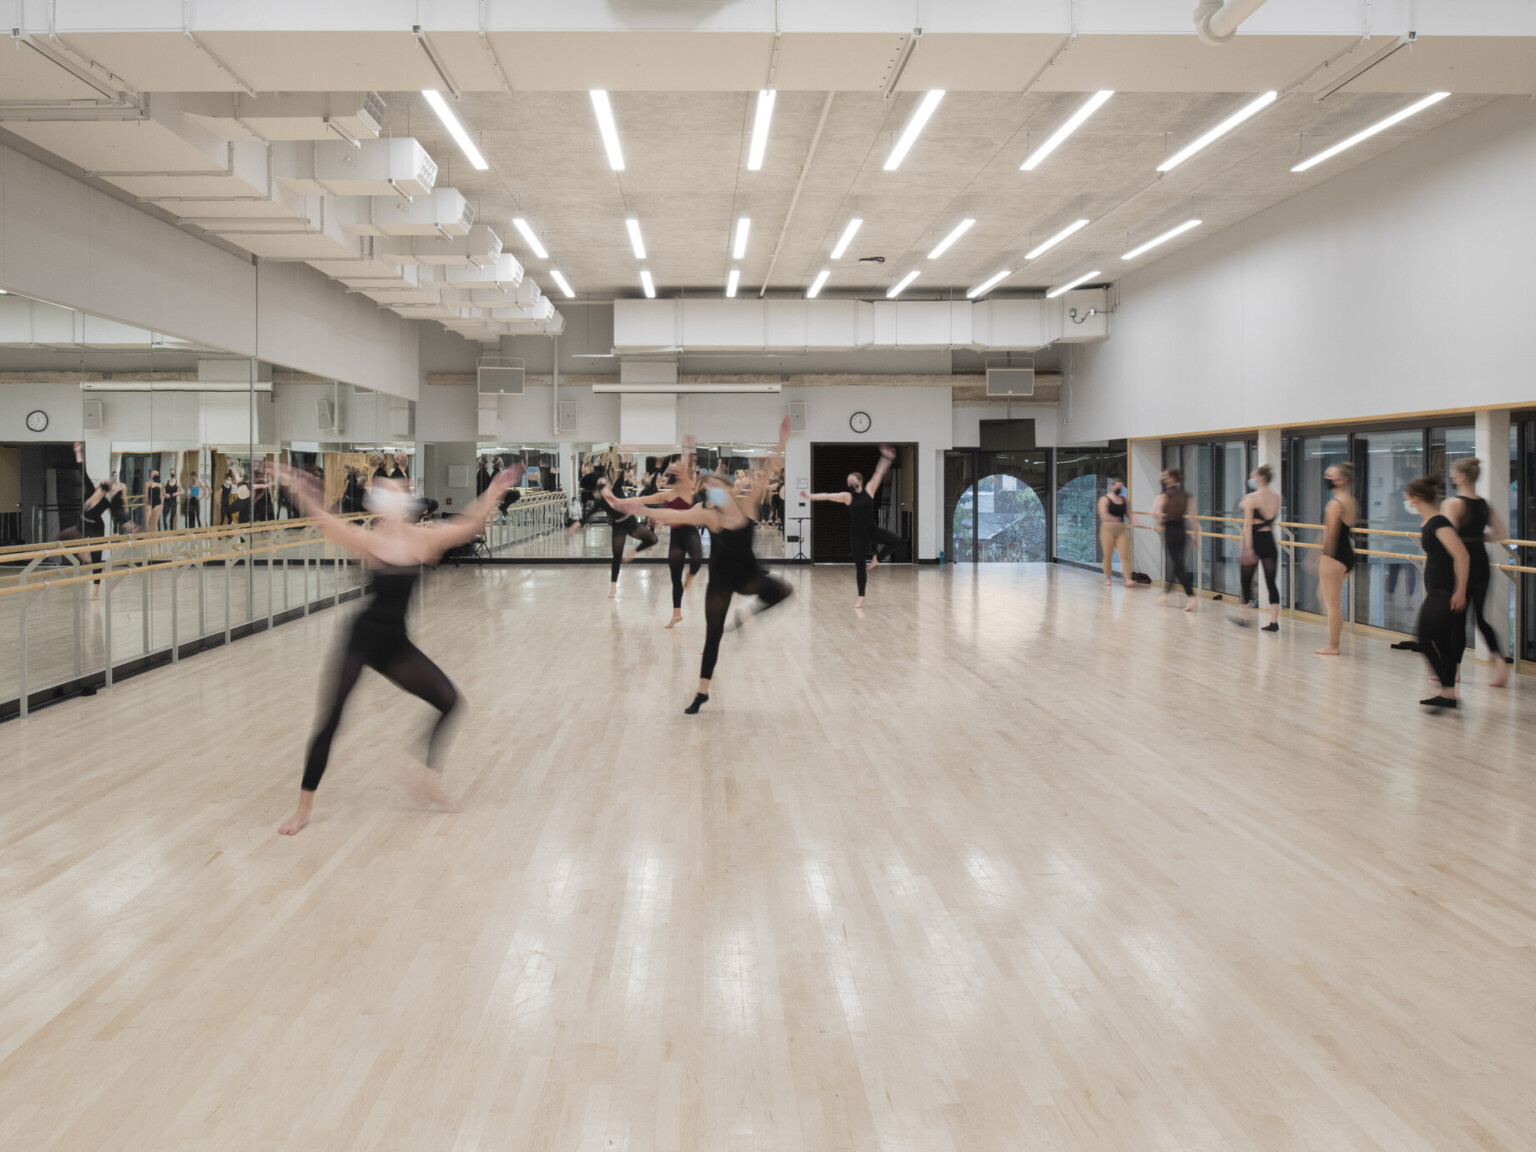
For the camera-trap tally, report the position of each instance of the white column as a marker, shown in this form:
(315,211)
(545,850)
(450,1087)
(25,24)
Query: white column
(1146,467)
(1269,453)
(1492,446)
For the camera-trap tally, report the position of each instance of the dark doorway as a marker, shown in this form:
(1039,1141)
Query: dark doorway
(896,501)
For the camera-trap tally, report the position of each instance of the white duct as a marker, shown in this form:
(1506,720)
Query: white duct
(479,246)
(399,166)
(1217,22)
(444,212)
(346,116)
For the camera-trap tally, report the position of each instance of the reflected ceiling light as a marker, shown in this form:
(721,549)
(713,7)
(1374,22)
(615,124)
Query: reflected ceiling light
(455,129)
(608,128)
(1156,240)
(743,225)
(634,238)
(942,246)
(532,241)
(760,122)
(914,126)
(1252,108)
(1071,284)
(702,386)
(731,282)
(1074,122)
(1367,133)
(564,287)
(1056,239)
(900,285)
(846,238)
(647,284)
(989,283)
(815,289)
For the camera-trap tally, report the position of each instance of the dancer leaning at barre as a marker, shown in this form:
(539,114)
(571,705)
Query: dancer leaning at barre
(1478,525)
(685,548)
(733,567)
(622,525)
(863,533)
(1261,508)
(1442,616)
(1338,558)
(1115,523)
(393,551)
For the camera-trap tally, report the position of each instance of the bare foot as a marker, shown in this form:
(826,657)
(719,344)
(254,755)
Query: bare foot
(1109,583)
(1189,604)
(425,787)
(859,603)
(295,823)
(874,562)
(1329,651)
(1502,677)
(613,593)
(677,618)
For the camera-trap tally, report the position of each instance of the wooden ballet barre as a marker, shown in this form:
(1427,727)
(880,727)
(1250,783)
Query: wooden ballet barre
(112,573)
(16,552)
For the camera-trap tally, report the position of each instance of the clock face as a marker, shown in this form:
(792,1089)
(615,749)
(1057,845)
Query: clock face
(859,421)
(37,420)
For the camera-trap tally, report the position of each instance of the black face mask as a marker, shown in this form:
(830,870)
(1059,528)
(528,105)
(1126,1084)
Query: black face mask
(854,488)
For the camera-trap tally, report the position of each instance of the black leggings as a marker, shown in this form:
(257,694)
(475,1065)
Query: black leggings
(1175,560)
(1442,634)
(683,548)
(194,512)
(641,531)
(407,667)
(1477,593)
(890,545)
(1266,558)
(769,590)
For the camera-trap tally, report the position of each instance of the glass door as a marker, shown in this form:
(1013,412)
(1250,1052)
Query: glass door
(996,503)
(1307,493)
(1386,589)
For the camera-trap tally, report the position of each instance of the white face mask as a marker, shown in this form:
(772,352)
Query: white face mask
(1412,508)
(386,502)
(716,495)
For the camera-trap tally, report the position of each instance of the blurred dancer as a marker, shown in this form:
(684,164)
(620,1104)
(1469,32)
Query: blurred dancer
(623,523)
(1170,511)
(1442,616)
(1478,525)
(685,548)
(1261,508)
(393,551)
(1338,558)
(863,533)
(97,501)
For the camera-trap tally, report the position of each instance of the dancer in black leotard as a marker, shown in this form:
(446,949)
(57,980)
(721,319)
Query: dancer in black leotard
(393,551)
(733,568)
(1478,525)
(1171,512)
(1442,616)
(685,548)
(863,533)
(97,501)
(1115,523)
(1338,558)
(1261,508)
(622,525)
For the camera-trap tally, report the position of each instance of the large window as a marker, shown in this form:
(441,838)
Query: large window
(1386,589)
(996,503)
(1082,476)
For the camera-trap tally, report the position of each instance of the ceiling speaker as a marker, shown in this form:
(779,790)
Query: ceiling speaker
(797,415)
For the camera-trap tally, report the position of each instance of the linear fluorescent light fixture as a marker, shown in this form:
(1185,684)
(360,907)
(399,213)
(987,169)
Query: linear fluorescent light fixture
(608,128)
(455,129)
(667,389)
(1073,123)
(989,283)
(958,231)
(914,127)
(532,241)
(1156,240)
(1046,246)
(648,284)
(743,226)
(760,124)
(900,285)
(1367,133)
(634,238)
(732,281)
(1247,111)
(846,238)
(1071,284)
(565,287)
(816,285)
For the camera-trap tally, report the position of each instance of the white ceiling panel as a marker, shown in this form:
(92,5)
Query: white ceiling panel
(977,62)
(155,61)
(26,74)
(849,61)
(1456,64)
(325,61)
(642,61)
(118,146)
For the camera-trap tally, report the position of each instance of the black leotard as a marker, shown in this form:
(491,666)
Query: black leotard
(731,559)
(1264,536)
(1474,521)
(1115,508)
(861,515)
(1344,544)
(1439,568)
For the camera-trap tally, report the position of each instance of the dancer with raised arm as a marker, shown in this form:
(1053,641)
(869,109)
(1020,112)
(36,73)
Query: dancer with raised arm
(393,551)
(733,567)
(622,525)
(863,532)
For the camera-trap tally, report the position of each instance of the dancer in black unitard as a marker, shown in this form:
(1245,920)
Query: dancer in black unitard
(1170,511)
(1478,525)
(393,551)
(863,533)
(1261,508)
(685,548)
(733,567)
(622,525)
(1442,616)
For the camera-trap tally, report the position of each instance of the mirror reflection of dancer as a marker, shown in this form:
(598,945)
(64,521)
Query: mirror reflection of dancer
(863,533)
(393,551)
(733,567)
(685,548)
(99,499)
(622,525)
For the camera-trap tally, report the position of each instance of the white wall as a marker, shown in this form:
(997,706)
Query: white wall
(364,417)
(1401,286)
(60,401)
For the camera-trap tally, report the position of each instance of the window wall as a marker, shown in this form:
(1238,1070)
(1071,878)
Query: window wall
(1081,477)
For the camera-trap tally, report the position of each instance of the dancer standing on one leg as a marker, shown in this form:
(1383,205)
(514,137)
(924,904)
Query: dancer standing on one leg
(863,532)
(733,567)
(393,551)
(1478,525)
(1261,508)
(1115,523)
(622,525)
(1170,511)
(685,548)
(1442,616)
(1338,558)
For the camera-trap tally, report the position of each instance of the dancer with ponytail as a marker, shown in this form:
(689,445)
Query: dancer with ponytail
(1478,525)
(863,533)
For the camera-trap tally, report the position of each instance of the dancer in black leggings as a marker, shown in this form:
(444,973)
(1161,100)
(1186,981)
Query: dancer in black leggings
(1442,618)
(733,568)
(685,548)
(1478,525)
(1170,511)
(622,525)
(863,533)
(99,499)
(393,551)
(1261,508)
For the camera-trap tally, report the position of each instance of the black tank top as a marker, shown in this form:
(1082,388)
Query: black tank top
(861,515)
(1263,523)
(1344,545)
(1474,521)
(391,598)
(1115,508)
(1439,568)
(1174,509)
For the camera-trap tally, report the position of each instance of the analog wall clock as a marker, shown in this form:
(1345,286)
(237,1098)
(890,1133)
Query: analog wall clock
(37,420)
(859,422)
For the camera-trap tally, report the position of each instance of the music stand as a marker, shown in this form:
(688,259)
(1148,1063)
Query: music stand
(799,556)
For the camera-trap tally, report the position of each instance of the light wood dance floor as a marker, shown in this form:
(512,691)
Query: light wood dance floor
(1009,861)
